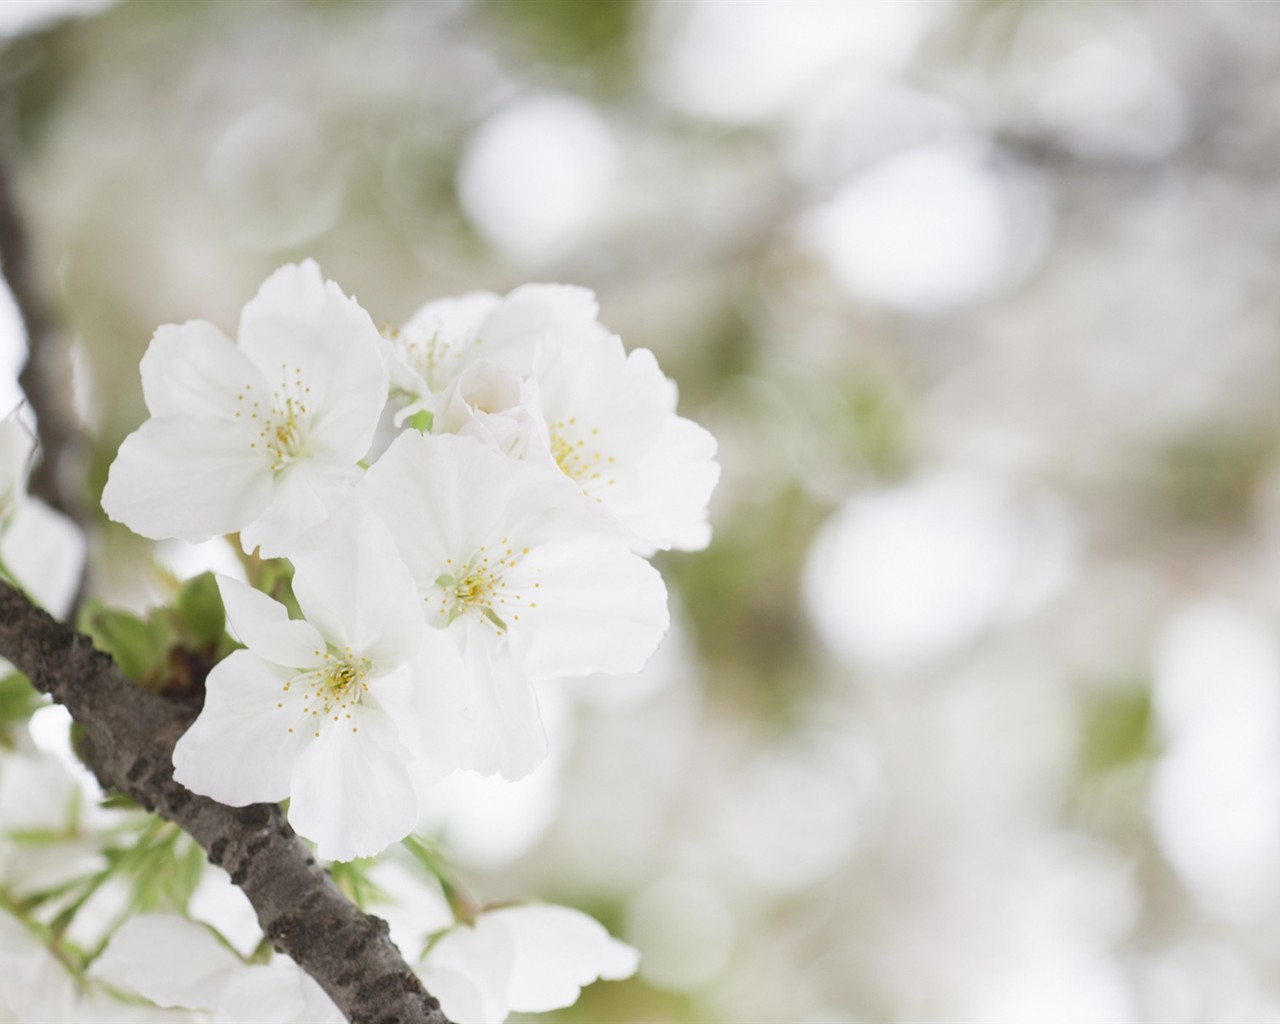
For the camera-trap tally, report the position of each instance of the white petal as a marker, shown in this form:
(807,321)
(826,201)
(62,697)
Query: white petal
(439,341)
(663,498)
(303,497)
(557,951)
(495,406)
(169,960)
(193,369)
(351,794)
(17,444)
(45,551)
(187,478)
(483,955)
(360,594)
(461,999)
(319,1007)
(547,313)
(479,711)
(599,608)
(300,325)
(268,994)
(242,747)
(439,496)
(263,625)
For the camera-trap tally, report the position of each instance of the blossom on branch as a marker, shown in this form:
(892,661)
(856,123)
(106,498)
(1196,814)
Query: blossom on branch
(525,579)
(527,958)
(446,336)
(316,710)
(264,435)
(178,963)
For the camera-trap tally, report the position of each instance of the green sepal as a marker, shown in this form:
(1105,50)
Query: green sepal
(199,610)
(421,420)
(138,646)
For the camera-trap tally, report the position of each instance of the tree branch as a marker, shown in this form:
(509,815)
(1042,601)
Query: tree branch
(130,735)
(42,379)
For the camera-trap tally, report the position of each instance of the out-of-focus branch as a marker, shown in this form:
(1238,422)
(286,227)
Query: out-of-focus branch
(129,739)
(43,380)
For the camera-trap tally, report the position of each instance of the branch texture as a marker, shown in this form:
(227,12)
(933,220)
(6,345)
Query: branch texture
(130,735)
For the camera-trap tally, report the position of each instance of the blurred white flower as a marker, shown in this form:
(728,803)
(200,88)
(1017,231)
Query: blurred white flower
(902,576)
(39,795)
(177,963)
(262,436)
(20,16)
(317,710)
(527,959)
(35,987)
(534,173)
(931,228)
(1215,796)
(743,62)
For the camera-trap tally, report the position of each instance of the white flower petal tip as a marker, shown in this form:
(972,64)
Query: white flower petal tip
(262,435)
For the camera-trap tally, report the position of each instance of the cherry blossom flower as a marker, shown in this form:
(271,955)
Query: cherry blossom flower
(178,963)
(556,388)
(448,335)
(314,709)
(613,430)
(524,578)
(528,958)
(36,986)
(263,435)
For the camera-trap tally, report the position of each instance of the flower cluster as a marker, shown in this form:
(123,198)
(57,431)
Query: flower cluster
(467,505)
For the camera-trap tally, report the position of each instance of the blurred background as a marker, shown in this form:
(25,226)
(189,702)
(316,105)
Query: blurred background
(971,712)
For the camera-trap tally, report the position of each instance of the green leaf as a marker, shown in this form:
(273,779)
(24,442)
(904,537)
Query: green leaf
(18,698)
(199,609)
(127,638)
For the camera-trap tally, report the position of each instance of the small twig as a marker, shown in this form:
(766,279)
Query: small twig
(129,738)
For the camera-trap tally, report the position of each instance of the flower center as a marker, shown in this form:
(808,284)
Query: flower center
(577,452)
(334,688)
(436,356)
(281,427)
(480,588)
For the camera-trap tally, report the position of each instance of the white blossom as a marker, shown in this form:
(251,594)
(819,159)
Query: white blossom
(536,377)
(178,963)
(525,581)
(263,435)
(528,958)
(448,335)
(613,430)
(315,710)
(35,988)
